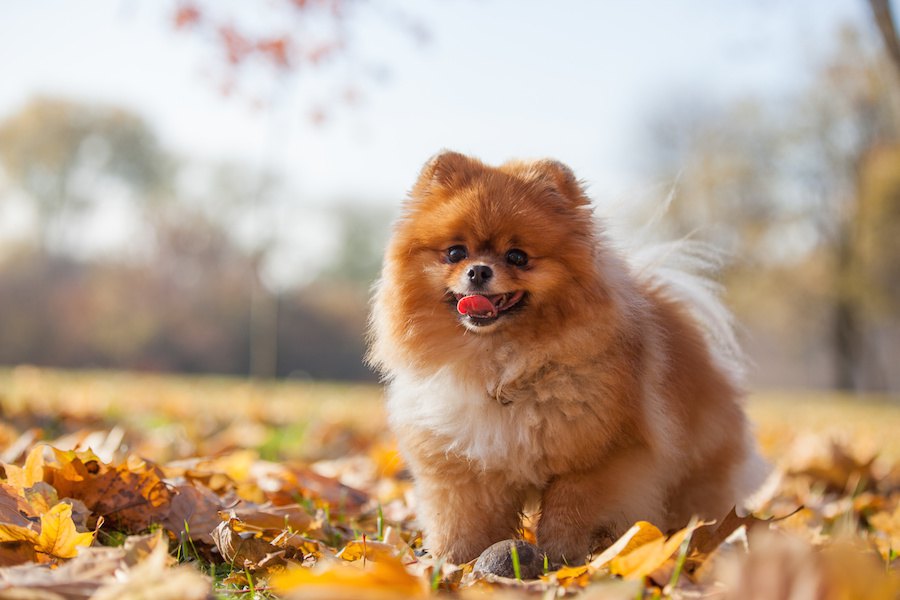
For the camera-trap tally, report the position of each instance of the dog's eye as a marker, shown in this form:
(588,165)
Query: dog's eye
(517,258)
(456,253)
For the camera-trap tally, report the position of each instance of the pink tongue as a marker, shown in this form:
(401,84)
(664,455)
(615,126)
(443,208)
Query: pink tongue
(477,306)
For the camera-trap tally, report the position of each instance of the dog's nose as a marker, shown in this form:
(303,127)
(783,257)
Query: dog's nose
(478,274)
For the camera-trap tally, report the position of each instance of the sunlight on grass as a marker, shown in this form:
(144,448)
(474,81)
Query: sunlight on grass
(869,424)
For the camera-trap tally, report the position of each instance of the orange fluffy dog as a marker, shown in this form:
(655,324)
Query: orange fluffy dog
(526,358)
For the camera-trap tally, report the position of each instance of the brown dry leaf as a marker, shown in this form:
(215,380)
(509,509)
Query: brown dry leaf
(16,552)
(834,465)
(650,556)
(384,579)
(193,513)
(131,496)
(300,545)
(786,567)
(80,577)
(15,536)
(706,540)
(246,551)
(268,517)
(14,510)
(155,577)
(342,498)
(34,581)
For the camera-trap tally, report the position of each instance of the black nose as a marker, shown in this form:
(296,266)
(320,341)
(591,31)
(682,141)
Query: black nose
(479,274)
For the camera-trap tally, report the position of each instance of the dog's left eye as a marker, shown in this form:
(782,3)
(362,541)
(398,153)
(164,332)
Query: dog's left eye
(517,258)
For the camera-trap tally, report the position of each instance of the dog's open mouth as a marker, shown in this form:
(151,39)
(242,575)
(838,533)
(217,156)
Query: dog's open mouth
(483,309)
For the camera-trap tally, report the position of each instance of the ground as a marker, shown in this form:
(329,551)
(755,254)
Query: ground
(114,485)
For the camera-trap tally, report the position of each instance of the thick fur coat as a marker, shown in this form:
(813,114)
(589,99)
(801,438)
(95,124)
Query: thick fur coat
(595,390)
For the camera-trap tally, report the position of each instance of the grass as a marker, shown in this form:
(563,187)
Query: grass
(866,423)
(292,418)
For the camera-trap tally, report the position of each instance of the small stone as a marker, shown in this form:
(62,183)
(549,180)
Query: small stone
(497,559)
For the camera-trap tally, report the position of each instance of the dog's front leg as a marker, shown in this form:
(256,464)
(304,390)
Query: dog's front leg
(464,509)
(583,510)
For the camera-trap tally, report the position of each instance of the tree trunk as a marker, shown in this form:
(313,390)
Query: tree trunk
(846,332)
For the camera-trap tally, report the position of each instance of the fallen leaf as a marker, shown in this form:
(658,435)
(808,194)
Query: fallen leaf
(246,550)
(58,535)
(328,490)
(648,557)
(637,535)
(14,510)
(155,577)
(131,496)
(193,513)
(370,549)
(384,579)
(567,577)
(268,517)
(887,531)
(30,473)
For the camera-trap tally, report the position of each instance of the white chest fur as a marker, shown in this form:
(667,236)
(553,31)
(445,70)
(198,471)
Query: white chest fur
(475,425)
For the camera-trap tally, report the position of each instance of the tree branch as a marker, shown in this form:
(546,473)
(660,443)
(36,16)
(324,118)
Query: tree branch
(881,10)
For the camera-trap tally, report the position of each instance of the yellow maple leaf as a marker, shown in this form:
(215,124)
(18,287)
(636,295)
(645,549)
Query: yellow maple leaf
(646,558)
(58,535)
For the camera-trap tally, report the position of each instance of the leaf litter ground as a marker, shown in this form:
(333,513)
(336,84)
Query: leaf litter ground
(129,486)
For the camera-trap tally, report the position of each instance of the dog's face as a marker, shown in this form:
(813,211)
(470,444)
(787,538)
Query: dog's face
(484,250)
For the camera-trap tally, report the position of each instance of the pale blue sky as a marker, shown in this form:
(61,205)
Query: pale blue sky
(500,79)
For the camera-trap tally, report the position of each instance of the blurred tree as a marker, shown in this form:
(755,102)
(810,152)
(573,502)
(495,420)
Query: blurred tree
(884,19)
(363,235)
(292,38)
(196,297)
(59,152)
(783,184)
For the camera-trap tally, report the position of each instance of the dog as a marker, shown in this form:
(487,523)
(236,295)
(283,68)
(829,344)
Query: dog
(525,357)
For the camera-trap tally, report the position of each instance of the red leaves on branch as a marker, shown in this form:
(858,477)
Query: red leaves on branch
(186,15)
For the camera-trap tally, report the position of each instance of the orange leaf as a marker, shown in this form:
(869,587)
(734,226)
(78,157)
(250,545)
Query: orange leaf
(17,533)
(30,473)
(383,579)
(371,549)
(566,577)
(648,557)
(640,533)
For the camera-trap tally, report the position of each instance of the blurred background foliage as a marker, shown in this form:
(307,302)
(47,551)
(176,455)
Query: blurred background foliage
(802,191)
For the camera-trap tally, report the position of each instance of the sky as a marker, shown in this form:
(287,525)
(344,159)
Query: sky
(577,81)
(499,78)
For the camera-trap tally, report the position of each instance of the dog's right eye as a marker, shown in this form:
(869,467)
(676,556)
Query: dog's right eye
(456,253)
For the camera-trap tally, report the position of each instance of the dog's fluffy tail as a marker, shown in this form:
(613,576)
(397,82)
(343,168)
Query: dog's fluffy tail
(686,271)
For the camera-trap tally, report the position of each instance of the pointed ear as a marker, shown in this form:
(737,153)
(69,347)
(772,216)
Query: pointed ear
(562,178)
(445,169)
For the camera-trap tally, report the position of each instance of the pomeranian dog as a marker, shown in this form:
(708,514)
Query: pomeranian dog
(526,358)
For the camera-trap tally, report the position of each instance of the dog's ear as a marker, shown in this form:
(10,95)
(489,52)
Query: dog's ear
(445,169)
(561,178)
